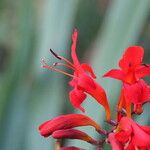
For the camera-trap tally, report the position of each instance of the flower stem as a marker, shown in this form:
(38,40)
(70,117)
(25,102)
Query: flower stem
(57,144)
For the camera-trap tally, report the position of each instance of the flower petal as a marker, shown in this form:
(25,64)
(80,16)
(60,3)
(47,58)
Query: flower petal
(73,49)
(114,143)
(115,73)
(77,97)
(139,138)
(91,87)
(143,71)
(73,134)
(66,122)
(88,68)
(86,83)
(137,93)
(132,58)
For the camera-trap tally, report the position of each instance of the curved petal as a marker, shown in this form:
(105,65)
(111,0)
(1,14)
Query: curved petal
(146,129)
(86,83)
(73,48)
(91,87)
(132,58)
(116,74)
(137,93)
(66,122)
(74,134)
(140,138)
(143,71)
(123,136)
(89,69)
(76,98)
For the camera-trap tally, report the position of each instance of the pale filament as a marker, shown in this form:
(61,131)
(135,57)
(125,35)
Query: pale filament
(62,64)
(45,65)
(61,58)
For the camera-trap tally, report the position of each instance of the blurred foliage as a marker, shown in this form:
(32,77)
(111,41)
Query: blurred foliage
(29,94)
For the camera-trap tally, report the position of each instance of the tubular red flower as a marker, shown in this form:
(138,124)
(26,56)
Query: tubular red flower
(66,122)
(131,134)
(74,134)
(131,66)
(82,80)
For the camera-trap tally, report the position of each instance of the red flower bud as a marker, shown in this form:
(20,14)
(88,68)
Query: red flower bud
(66,122)
(74,134)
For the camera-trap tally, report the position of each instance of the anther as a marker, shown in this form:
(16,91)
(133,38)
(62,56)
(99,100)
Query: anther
(57,56)
(54,64)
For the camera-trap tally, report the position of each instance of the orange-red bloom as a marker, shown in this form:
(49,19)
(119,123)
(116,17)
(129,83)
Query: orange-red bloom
(131,66)
(66,122)
(130,136)
(134,90)
(83,80)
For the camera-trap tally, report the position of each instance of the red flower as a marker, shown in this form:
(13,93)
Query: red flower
(131,66)
(74,134)
(83,80)
(66,122)
(130,136)
(136,94)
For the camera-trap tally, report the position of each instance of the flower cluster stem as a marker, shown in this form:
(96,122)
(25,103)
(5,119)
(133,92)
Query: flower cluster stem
(57,144)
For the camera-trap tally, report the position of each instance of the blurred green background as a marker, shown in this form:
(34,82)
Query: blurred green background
(30,95)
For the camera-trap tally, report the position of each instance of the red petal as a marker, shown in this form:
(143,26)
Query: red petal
(132,58)
(66,122)
(139,137)
(143,71)
(115,73)
(125,124)
(77,97)
(123,136)
(86,83)
(146,129)
(114,143)
(89,86)
(73,48)
(73,134)
(88,68)
(137,93)
(71,148)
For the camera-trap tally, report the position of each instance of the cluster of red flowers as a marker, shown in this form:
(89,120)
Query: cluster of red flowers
(126,134)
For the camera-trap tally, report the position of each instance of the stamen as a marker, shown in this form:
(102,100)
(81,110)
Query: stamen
(61,58)
(62,64)
(57,56)
(112,122)
(45,65)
